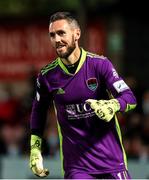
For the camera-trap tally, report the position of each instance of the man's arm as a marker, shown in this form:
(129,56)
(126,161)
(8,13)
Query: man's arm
(37,124)
(40,107)
(121,97)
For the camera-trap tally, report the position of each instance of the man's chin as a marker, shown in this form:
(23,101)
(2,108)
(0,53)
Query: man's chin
(65,53)
(62,55)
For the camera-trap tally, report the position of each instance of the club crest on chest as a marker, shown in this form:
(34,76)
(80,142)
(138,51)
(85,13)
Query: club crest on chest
(92,83)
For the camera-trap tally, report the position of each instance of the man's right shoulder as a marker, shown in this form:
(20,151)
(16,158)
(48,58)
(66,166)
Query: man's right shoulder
(50,66)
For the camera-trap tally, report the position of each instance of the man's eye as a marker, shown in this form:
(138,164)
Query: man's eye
(51,34)
(61,33)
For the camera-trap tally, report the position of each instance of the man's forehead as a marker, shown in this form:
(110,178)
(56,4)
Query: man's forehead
(59,24)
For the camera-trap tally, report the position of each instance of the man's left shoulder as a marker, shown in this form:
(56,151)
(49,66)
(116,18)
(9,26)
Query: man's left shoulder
(96,56)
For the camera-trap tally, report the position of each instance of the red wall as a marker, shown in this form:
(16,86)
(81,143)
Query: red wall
(24,46)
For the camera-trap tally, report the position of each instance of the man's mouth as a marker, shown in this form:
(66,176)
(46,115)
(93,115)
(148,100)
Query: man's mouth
(59,47)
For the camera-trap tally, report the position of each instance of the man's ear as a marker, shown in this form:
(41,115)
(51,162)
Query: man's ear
(77,34)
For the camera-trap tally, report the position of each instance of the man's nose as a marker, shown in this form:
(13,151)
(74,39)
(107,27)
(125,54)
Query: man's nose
(57,38)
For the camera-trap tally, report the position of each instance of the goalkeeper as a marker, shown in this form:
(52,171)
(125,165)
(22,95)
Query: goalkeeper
(87,93)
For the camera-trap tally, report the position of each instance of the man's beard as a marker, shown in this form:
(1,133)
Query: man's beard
(68,52)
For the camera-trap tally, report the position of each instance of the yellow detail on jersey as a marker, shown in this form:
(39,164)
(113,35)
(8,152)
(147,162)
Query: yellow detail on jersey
(60,140)
(83,57)
(49,66)
(61,151)
(130,107)
(120,138)
(119,133)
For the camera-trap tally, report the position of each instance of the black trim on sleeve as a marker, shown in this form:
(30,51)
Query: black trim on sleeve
(36,132)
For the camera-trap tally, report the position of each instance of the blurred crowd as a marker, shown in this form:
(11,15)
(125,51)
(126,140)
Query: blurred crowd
(135,124)
(15,110)
(15,115)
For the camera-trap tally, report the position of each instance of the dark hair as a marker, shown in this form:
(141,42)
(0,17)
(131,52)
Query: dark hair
(64,15)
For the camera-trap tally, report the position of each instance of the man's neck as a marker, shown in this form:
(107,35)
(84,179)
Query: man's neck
(73,58)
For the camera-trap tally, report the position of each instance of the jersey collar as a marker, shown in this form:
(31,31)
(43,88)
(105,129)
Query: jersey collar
(82,59)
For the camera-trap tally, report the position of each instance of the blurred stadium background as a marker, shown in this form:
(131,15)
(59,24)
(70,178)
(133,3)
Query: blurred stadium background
(117,29)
